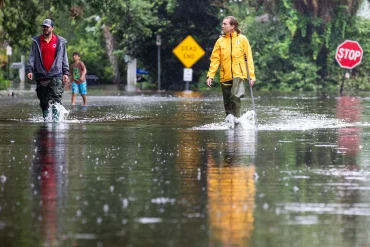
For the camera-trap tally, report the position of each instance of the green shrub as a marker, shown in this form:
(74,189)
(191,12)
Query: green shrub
(202,86)
(4,84)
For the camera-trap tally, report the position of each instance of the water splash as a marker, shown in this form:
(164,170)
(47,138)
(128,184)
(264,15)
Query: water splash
(286,121)
(248,120)
(60,113)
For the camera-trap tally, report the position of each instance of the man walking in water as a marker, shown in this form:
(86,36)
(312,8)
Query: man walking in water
(48,65)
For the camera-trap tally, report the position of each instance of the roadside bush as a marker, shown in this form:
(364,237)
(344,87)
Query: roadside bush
(4,84)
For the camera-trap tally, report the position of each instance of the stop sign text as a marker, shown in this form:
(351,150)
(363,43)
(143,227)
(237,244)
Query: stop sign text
(348,54)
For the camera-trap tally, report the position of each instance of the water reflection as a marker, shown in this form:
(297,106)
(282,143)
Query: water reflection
(349,109)
(241,145)
(231,191)
(49,179)
(188,94)
(152,180)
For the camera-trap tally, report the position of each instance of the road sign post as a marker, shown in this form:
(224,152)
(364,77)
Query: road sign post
(348,56)
(158,42)
(8,53)
(188,76)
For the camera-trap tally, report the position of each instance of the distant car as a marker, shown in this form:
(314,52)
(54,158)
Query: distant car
(92,79)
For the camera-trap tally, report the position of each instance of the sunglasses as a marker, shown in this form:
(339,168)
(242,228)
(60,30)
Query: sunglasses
(45,27)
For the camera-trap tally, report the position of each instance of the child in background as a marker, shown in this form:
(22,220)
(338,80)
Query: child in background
(78,73)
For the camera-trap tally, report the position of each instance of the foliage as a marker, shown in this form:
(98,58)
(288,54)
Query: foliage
(201,85)
(18,22)
(4,84)
(293,48)
(176,20)
(85,36)
(360,78)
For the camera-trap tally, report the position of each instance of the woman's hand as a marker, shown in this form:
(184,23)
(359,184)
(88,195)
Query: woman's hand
(209,82)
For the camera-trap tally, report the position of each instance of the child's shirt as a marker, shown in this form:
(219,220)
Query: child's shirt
(77,68)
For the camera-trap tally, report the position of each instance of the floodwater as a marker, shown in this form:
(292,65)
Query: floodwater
(164,170)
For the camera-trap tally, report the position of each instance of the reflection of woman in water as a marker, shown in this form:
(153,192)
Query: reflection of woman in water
(231,193)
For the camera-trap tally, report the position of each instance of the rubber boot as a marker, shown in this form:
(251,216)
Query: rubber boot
(45,114)
(55,114)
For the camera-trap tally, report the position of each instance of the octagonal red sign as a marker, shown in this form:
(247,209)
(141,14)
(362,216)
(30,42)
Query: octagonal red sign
(349,54)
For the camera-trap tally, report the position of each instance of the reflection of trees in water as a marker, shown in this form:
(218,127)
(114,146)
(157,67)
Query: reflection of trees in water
(49,179)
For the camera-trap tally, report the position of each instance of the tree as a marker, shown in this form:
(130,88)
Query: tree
(294,49)
(18,23)
(176,20)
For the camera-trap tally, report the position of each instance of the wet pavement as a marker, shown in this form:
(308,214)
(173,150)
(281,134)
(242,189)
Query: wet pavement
(164,170)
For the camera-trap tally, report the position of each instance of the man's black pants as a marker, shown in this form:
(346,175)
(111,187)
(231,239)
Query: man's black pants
(50,94)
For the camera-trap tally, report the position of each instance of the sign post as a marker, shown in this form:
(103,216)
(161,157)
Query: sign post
(8,53)
(348,56)
(188,52)
(158,42)
(188,76)
(21,69)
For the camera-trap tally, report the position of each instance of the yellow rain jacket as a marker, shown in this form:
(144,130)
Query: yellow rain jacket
(228,53)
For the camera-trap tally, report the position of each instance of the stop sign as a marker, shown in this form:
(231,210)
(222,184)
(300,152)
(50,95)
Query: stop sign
(349,54)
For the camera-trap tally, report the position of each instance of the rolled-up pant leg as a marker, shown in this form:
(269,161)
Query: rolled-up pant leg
(232,104)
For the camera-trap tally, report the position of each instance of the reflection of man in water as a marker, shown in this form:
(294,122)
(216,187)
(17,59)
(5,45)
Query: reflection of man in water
(48,177)
(231,192)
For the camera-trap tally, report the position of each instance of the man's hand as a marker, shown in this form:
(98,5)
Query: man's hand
(65,78)
(209,82)
(29,76)
(251,82)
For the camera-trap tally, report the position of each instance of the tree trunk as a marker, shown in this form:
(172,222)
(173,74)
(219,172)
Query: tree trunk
(109,44)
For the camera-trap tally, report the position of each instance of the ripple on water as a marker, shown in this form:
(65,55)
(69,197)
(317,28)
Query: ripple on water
(109,117)
(149,220)
(358,209)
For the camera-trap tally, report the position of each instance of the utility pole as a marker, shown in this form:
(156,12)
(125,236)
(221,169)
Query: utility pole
(158,43)
(8,53)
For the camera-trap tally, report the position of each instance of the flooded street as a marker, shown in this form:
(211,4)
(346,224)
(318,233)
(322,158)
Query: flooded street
(164,170)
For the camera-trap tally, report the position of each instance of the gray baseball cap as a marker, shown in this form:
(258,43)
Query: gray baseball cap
(48,22)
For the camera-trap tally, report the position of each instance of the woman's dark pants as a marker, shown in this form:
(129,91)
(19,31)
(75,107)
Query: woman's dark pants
(232,104)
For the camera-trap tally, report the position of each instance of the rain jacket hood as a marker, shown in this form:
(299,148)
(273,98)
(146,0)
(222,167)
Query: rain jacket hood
(228,54)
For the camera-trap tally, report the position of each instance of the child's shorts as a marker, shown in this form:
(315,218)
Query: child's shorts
(79,88)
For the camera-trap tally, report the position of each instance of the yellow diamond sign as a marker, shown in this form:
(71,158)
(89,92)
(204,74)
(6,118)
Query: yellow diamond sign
(188,51)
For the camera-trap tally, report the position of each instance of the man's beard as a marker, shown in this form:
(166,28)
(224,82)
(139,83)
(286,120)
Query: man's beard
(47,34)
